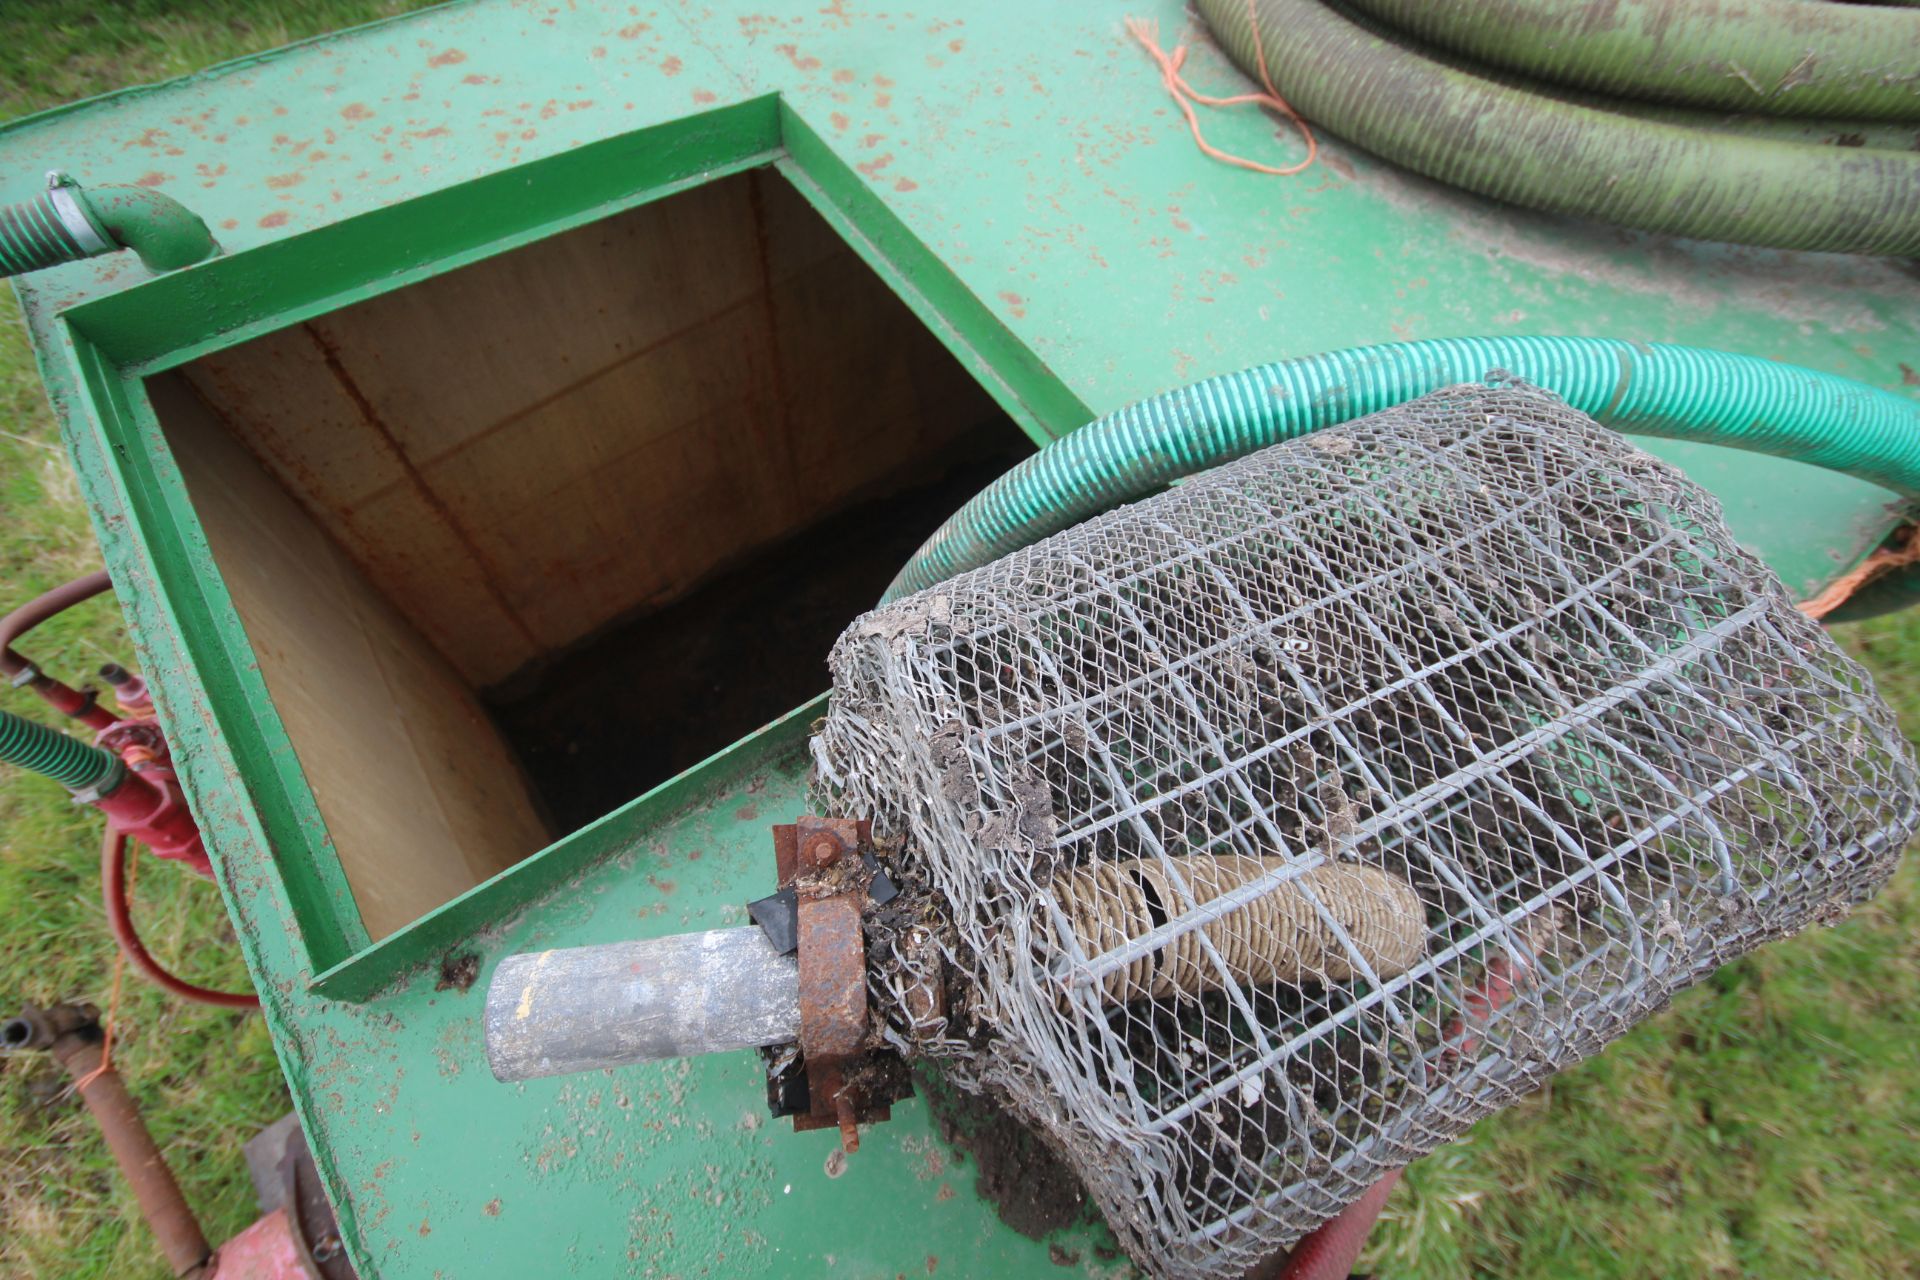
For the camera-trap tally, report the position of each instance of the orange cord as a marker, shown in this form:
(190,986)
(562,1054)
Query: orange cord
(113,1001)
(1901,550)
(1184,95)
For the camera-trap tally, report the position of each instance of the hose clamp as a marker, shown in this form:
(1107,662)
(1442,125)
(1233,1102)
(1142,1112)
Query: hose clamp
(60,189)
(103,786)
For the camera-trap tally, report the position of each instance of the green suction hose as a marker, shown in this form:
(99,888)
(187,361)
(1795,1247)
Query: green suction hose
(73,764)
(1486,133)
(67,222)
(1681,393)
(1782,57)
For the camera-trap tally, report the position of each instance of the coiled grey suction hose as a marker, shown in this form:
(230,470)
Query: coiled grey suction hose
(1656,389)
(1486,134)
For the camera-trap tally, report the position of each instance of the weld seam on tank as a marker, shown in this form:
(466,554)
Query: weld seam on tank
(1657,389)
(1484,134)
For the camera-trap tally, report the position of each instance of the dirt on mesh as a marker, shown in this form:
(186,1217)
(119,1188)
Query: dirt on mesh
(1031,1188)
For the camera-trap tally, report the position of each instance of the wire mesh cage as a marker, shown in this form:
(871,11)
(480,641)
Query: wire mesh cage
(1259,837)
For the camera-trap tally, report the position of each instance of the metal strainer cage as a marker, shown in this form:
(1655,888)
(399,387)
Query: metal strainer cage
(1259,837)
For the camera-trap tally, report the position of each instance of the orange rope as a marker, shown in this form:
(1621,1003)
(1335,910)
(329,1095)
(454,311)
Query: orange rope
(1901,549)
(113,1000)
(1184,95)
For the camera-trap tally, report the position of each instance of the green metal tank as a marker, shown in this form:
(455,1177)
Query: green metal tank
(567,375)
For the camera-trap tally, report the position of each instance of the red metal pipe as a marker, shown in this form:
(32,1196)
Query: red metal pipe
(113,891)
(72,1034)
(63,698)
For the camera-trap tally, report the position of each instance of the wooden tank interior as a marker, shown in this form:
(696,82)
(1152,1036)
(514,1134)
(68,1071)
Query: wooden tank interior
(518,542)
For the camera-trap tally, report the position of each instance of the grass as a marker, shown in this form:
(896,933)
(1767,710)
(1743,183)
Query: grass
(207,1078)
(1764,1126)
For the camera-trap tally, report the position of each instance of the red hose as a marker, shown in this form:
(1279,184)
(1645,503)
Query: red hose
(30,615)
(113,890)
(39,609)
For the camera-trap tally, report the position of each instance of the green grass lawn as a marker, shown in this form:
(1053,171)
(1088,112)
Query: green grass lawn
(1767,1125)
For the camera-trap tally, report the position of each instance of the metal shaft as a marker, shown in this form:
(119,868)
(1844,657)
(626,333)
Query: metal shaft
(582,1008)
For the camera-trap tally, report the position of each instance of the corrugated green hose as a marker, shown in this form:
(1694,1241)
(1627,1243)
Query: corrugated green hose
(1781,57)
(74,764)
(1682,393)
(32,237)
(67,222)
(1486,134)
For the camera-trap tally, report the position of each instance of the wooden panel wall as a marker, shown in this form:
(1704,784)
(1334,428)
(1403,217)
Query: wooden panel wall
(523,451)
(421,797)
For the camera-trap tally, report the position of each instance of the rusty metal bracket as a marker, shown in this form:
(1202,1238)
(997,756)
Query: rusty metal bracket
(821,860)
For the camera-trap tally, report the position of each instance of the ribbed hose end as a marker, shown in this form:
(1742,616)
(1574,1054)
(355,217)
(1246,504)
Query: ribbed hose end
(32,237)
(75,765)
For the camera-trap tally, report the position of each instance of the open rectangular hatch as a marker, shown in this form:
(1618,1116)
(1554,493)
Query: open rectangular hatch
(514,544)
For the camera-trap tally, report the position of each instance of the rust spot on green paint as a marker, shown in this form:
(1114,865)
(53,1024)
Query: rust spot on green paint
(152,179)
(906,184)
(873,167)
(801,61)
(493,1208)
(671,67)
(839,121)
(278,218)
(634,31)
(446,58)
(703,96)
(281,181)
(1015,302)
(355,111)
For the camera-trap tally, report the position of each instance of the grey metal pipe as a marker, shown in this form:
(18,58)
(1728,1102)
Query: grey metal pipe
(583,1008)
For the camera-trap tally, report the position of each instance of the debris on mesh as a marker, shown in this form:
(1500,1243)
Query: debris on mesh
(1257,838)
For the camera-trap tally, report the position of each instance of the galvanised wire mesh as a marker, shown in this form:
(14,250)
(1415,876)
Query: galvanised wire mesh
(1261,836)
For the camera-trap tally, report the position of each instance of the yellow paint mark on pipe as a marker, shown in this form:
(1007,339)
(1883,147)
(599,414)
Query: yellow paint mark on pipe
(525,1006)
